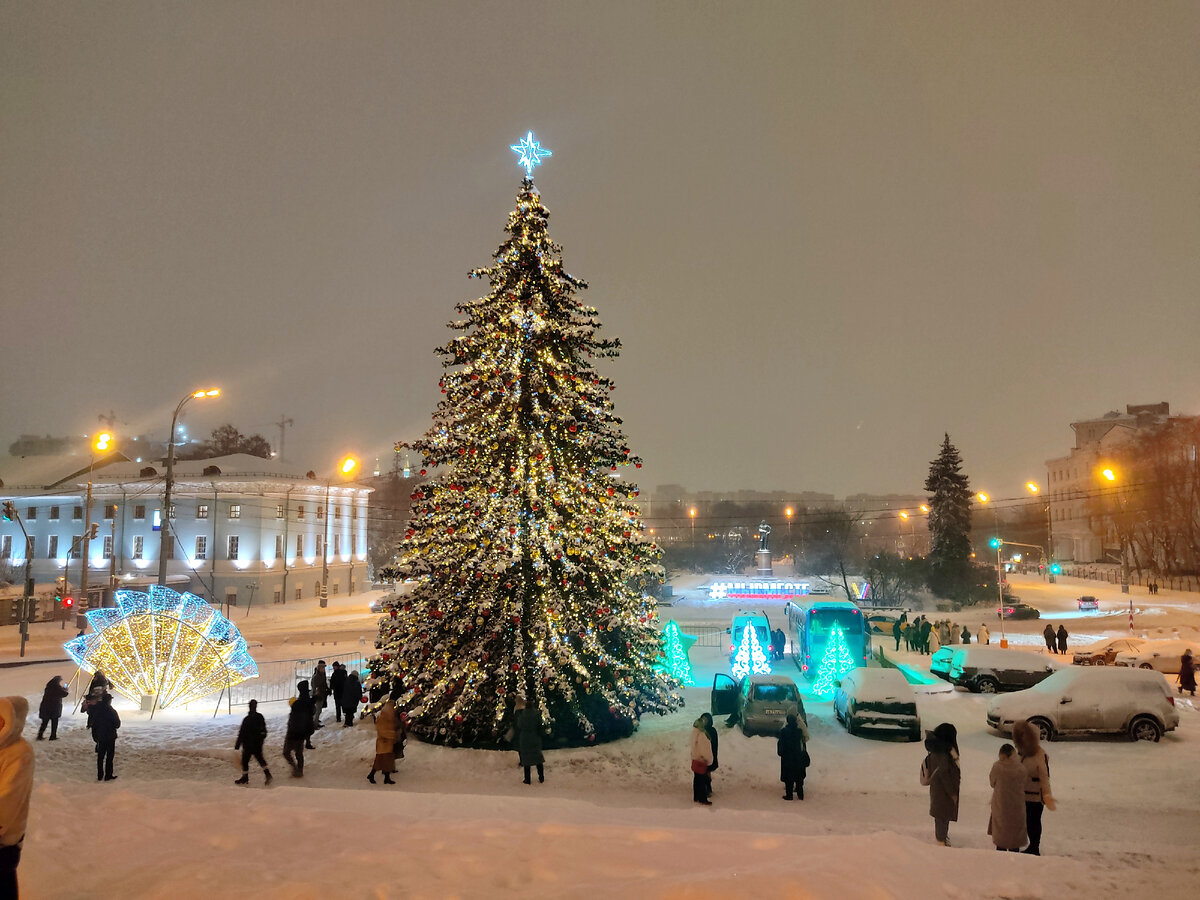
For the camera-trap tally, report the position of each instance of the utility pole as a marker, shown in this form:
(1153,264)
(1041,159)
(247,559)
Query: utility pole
(88,530)
(10,513)
(282,425)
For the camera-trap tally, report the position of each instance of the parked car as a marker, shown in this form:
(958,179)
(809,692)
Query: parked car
(1103,653)
(1091,701)
(877,698)
(1163,656)
(1014,609)
(882,623)
(760,702)
(762,630)
(1088,603)
(939,663)
(987,670)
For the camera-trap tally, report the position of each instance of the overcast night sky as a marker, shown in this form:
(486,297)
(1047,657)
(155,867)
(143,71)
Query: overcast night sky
(825,233)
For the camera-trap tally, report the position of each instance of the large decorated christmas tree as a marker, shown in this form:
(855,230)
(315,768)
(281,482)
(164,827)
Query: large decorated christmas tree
(527,548)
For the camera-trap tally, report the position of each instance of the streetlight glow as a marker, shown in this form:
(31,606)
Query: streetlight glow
(1109,474)
(903,514)
(349,464)
(982,497)
(1032,487)
(103,441)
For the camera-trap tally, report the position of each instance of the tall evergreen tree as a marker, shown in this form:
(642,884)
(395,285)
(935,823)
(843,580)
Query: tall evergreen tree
(949,524)
(527,546)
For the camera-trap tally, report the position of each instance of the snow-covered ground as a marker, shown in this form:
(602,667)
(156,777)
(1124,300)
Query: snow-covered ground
(611,820)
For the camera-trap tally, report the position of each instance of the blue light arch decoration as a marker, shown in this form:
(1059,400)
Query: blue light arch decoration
(171,646)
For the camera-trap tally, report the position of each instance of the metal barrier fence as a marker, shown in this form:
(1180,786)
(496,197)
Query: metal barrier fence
(277,679)
(706,635)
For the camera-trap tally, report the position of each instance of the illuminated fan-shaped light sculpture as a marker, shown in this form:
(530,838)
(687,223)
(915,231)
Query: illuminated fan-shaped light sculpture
(172,646)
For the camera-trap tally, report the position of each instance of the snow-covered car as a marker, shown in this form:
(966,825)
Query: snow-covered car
(940,662)
(376,605)
(760,702)
(1163,656)
(988,670)
(877,698)
(1091,701)
(1015,609)
(1102,653)
(1088,603)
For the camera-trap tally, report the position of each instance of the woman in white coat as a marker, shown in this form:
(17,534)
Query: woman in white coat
(702,758)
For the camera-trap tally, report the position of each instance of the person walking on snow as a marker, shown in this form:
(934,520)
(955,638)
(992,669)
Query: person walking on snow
(527,728)
(941,773)
(104,725)
(337,684)
(711,730)
(320,690)
(1061,636)
(702,758)
(351,696)
(935,641)
(984,636)
(385,742)
(1037,782)
(50,710)
(16,787)
(1007,822)
(897,633)
(1187,673)
(251,737)
(792,748)
(1049,636)
(299,729)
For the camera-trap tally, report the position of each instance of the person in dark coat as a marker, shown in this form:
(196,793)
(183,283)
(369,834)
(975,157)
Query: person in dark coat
(926,628)
(792,749)
(527,725)
(104,725)
(250,739)
(1187,673)
(897,633)
(320,690)
(337,683)
(966,635)
(713,738)
(1062,639)
(351,697)
(1048,634)
(299,729)
(941,772)
(51,709)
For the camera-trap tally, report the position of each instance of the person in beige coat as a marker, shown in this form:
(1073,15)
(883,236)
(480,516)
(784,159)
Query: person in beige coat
(385,743)
(16,786)
(1007,823)
(1037,782)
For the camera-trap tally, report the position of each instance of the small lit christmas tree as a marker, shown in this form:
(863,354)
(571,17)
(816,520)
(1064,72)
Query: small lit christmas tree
(527,549)
(750,657)
(836,663)
(676,647)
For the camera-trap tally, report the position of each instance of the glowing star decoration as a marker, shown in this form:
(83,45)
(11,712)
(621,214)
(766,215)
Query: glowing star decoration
(750,657)
(676,647)
(530,153)
(174,647)
(837,662)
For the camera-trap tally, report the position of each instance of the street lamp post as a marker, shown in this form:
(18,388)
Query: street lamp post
(791,549)
(1033,488)
(164,526)
(1111,475)
(101,444)
(347,467)
(10,513)
(692,513)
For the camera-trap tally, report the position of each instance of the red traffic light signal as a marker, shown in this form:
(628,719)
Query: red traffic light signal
(68,602)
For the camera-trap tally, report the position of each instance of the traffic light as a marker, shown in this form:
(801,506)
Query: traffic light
(68,602)
(1055,569)
(95,531)
(10,511)
(995,543)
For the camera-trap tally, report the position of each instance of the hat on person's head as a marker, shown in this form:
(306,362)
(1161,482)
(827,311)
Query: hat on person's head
(791,718)
(253,704)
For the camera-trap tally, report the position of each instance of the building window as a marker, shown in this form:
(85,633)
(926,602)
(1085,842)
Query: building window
(54,514)
(201,510)
(76,548)
(110,510)
(337,544)
(278,596)
(201,547)
(320,513)
(138,542)
(235,510)
(78,517)
(139,512)
(52,549)
(353,544)
(108,546)
(279,546)
(6,547)
(320,545)
(336,584)
(31,514)
(298,590)
(299,512)
(231,596)
(337,513)
(299,546)
(279,510)
(233,546)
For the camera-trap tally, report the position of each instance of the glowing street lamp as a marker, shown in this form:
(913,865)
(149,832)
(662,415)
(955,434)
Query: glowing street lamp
(102,443)
(169,482)
(1034,488)
(692,513)
(346,470)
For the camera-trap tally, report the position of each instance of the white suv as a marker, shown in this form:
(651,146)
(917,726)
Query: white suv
(1100,700)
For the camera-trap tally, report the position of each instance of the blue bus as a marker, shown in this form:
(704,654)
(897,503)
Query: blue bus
(810,624)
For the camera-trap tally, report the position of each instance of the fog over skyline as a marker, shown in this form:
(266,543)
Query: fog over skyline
(824,233)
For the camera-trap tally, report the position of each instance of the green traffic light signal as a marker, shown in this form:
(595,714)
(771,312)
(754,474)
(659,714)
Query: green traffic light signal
(995,543)
(1055,569)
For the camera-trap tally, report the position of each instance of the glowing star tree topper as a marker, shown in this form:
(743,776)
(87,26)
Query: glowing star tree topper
(750,657)
(530,153)
(676,647)
(836,663)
